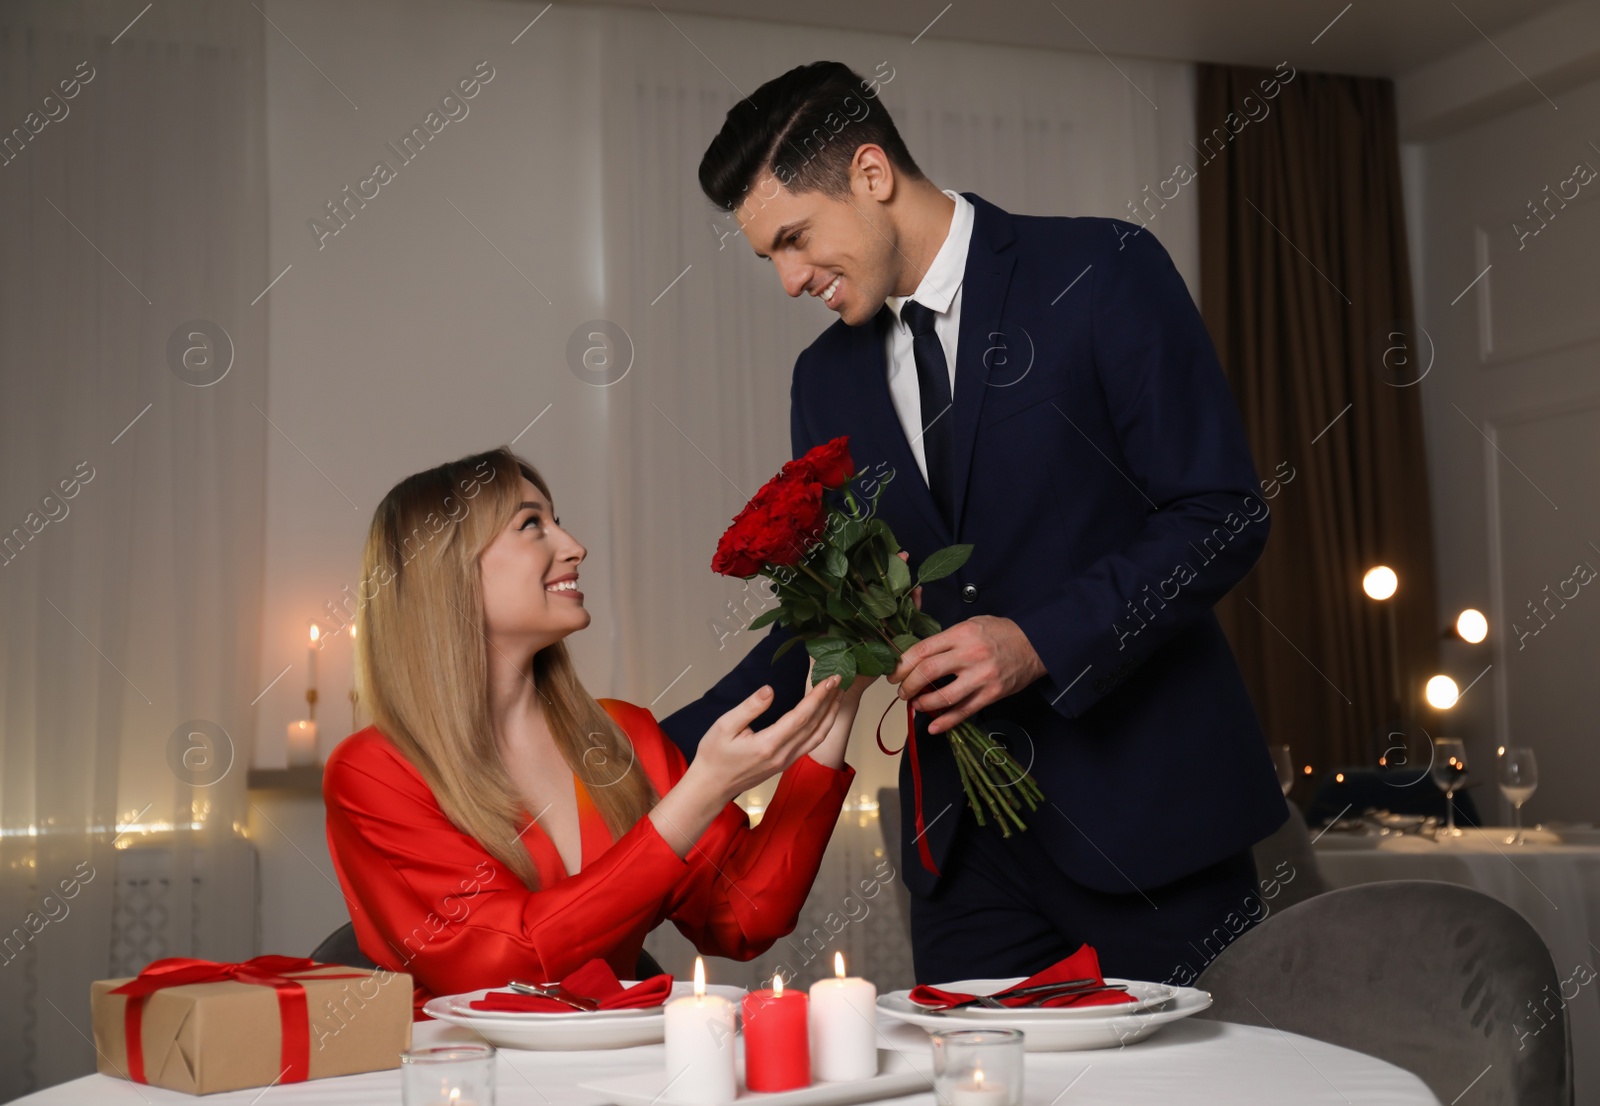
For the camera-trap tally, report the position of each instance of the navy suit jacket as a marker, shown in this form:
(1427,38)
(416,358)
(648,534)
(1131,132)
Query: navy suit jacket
(1103,478)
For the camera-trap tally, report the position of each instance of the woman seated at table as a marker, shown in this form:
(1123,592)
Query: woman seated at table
(496,822)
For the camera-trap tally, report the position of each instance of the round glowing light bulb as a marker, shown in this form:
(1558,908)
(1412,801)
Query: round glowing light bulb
(1380,582)
(1442,693)
(1472,626)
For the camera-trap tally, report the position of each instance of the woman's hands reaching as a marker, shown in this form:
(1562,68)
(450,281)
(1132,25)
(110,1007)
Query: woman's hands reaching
(733,758)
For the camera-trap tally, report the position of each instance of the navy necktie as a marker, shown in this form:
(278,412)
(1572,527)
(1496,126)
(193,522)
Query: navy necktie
(933,390)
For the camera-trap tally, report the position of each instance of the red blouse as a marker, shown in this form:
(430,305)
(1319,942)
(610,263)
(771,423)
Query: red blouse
(427,899)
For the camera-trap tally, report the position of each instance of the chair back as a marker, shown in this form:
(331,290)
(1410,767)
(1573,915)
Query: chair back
(340,947)
(1286,865)
(1442,980)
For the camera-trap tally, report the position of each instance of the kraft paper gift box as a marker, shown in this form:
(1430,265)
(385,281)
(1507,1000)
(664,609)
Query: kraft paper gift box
(203,1027)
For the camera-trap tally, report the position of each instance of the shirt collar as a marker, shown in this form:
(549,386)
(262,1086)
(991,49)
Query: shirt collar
(943,279)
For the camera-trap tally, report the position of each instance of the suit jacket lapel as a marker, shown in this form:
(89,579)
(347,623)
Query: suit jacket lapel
(983,297)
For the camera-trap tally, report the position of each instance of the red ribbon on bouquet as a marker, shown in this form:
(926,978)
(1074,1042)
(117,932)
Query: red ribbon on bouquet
(276,972)
(910,747)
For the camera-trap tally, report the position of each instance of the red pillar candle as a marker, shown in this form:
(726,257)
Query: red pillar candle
(777,1044)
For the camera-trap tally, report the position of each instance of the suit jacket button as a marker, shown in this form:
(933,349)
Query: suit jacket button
(969,592)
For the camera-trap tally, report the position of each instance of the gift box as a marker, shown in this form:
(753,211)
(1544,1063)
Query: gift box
(200,1027)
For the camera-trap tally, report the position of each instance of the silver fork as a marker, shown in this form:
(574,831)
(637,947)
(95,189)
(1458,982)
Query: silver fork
(1039,994)
(553,991)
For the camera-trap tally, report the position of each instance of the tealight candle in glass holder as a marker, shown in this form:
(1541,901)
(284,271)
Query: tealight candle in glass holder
(978,1067)
(448,1075)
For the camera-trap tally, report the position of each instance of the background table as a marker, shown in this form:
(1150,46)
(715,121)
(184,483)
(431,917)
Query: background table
(1555,887)
(1188,1063)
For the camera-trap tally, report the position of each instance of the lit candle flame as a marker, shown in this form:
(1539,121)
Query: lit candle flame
(838,964)
(699,978)
(777,985)
(977,1077)
(455,1094)
(352,631)
(315,633)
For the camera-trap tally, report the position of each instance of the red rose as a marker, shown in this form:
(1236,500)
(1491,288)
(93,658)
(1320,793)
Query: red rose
(829,464)
(777,526)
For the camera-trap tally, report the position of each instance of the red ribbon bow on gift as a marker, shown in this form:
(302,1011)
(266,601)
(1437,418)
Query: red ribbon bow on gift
(265,971)
(923,851)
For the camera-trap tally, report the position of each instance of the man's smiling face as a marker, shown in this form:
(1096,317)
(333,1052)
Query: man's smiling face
(840,250)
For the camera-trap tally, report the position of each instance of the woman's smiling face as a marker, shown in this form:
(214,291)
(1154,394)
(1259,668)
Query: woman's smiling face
(530,577)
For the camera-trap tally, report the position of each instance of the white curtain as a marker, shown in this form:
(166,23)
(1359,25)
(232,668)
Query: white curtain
(702,418)
(132,512)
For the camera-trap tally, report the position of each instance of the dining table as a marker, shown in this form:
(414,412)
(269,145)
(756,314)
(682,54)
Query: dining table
(1194,1062)
(1552,879)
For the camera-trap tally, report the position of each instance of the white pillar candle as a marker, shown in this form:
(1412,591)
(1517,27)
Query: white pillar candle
(302,738)
(844,1027)
(699,1046)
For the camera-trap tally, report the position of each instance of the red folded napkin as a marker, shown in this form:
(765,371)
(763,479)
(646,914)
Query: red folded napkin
(1083,964)
(594,980)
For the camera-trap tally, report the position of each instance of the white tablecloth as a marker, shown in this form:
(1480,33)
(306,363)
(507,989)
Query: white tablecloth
(1188,1063)
(1555,887)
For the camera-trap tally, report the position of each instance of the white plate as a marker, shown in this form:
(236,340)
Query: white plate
(579,1030)
(894,1078)
(1054,1034)
(1145,995)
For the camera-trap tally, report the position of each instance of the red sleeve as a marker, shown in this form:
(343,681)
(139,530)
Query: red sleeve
(435,903)
(744,887)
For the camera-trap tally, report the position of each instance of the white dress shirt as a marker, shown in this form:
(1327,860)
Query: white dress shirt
(940,291)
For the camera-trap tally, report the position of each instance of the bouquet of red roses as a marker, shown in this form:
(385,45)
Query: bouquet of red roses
(843,590)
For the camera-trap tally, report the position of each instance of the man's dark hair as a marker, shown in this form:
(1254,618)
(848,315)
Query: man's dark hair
(804,126)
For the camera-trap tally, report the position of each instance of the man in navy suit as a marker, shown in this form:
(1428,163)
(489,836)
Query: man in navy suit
(1044,389)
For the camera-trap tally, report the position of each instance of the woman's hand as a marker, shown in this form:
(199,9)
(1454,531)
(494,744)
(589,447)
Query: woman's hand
(733,758)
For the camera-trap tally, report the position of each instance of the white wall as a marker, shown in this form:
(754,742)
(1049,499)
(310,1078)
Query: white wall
(1513,422)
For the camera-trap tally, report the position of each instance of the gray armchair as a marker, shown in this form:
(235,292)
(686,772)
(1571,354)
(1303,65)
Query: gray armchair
(1441,980)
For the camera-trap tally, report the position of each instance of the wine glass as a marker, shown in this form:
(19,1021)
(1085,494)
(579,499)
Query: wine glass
(1285,766)
(1449,768)
(1519,775)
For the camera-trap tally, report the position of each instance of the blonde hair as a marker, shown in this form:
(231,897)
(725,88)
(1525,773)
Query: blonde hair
(422,657)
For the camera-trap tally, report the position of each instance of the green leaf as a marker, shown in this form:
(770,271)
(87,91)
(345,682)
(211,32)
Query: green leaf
(848,535)
(924,624)
(803,608)
(898,576)
(866,663)
(765,618)
(834,564)
(878,602)
(880,529)
(840,662)
(784,648)
(903,642)
(880,652)
(822,648)
(943,562)
(839,608)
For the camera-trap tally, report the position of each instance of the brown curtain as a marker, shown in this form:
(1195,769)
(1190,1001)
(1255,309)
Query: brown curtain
(1306,289)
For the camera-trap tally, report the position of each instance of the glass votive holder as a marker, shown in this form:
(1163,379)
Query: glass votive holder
(978,1067)
(448,1075)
